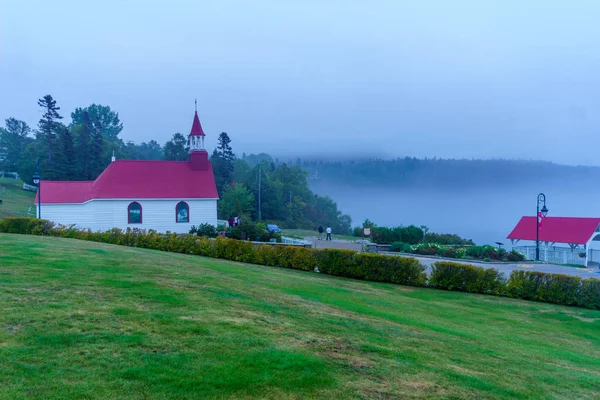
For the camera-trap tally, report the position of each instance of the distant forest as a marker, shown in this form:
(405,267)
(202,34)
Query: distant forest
(443,173)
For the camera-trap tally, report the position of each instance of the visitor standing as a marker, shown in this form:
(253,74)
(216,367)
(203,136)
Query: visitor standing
(236,221)
(328,233)
(320,232)
(230,222)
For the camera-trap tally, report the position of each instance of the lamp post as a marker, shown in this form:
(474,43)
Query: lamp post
(37,182)
(541,199)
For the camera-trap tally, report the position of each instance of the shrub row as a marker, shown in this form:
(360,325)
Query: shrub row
(528,285)
(554,288)
(466,278)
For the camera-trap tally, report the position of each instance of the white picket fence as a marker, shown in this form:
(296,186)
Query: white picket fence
(555,254)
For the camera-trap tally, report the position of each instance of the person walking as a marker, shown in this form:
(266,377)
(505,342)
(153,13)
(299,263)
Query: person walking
(328,233)
(320,229)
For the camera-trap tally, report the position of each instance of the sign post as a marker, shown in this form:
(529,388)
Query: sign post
(366,231)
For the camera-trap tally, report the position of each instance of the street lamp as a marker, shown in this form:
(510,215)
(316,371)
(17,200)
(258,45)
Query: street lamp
(38,183)
(541,199)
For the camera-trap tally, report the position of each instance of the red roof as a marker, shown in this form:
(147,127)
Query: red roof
(70,192)
(557,229)
(136,180)
(196,127)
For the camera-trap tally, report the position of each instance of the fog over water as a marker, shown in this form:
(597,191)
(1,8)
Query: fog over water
(482,213)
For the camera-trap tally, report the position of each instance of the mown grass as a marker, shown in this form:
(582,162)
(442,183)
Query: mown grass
(87,320)
(15,201)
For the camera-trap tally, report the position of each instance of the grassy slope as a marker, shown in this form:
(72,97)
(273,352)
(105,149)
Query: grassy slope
(86,320)
(16,201)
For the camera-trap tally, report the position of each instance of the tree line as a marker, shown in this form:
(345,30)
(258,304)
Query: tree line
(451,174)
(78,150)
(285,197)
(82,148)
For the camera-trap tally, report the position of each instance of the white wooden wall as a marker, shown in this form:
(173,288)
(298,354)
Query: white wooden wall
(102,215)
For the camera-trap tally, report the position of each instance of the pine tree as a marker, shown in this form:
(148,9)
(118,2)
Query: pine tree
(81,135)
(66,162)
(225,151)
(48,121)
(223,162)
(47,128)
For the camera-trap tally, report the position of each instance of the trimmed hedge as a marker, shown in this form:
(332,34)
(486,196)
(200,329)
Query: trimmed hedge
(371,267)
(528,285)
(466,278)
(550,288)
(25,226)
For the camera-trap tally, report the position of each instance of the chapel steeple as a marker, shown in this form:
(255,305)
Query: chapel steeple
(198,154)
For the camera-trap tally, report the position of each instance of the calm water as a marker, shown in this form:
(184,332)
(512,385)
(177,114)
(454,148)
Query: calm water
(486,215)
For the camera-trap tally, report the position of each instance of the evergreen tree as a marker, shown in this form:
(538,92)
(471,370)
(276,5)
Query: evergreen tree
(176,149)
(49,119)
(47,128)
(83,139)
(224,149)
(66,162)
(223,162)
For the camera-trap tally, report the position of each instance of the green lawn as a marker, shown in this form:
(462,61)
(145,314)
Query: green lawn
(81,320)
(15,200)
(308,233)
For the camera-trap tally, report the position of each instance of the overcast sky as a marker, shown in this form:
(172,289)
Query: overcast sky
(461,78)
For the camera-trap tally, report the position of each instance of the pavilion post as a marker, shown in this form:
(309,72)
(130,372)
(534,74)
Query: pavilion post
(541,199)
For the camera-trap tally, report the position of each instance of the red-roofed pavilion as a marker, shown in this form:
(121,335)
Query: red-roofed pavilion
(575,232)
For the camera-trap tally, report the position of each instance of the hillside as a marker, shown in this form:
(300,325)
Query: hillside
(87,320)
(15,200)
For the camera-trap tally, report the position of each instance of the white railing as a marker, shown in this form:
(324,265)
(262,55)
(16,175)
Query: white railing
(289,240)
(29,187)
(554,254)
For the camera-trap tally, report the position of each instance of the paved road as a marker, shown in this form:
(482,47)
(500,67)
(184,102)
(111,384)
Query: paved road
(502,267)
(507,268)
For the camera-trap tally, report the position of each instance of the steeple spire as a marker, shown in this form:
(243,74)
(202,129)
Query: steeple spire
(196,137)
(196,127)
(198,155)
